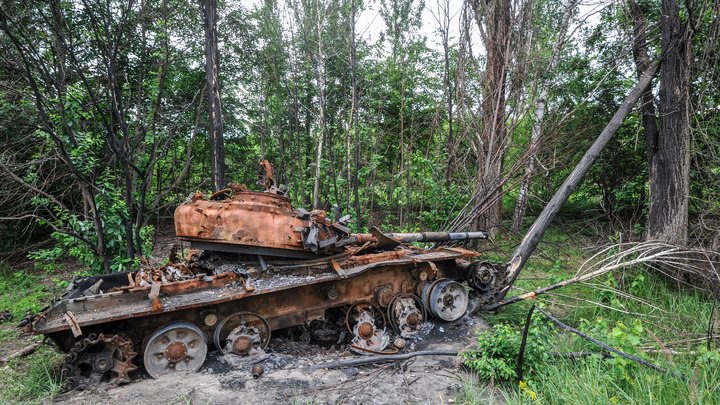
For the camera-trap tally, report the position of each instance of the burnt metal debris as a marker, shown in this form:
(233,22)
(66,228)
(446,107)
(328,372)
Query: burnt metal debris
(256,265)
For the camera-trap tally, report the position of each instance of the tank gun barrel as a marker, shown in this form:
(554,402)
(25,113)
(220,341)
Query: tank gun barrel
(382,240)
(436,236)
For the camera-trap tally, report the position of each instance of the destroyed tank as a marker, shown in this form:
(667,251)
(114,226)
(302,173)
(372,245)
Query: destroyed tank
(257,265)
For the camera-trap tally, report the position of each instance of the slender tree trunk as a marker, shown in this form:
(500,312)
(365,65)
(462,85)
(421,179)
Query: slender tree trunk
(538,124)
(642,61)
(356,128)
(670,164)
(402,143)
(443,19)
(264,125)
(493,19)
(217,145)
(320,77)
(299,159)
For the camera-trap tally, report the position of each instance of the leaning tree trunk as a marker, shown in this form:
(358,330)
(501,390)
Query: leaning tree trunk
(670,163)
(217,145)
(527,246)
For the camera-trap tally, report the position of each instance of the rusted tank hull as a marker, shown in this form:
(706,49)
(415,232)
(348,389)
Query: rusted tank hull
(283,300)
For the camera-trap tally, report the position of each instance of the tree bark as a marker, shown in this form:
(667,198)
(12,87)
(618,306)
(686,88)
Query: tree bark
(443,19)
(642,60)
(320,78)
(217,145)
(356,129)
(669,184)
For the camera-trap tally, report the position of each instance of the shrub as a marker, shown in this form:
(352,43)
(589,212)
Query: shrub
(496,355)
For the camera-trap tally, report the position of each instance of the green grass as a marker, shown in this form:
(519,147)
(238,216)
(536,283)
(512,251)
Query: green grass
(20,292)
(31,379)
(683,313)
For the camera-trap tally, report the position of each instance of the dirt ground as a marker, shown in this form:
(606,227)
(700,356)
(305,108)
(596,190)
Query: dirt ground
(289,378)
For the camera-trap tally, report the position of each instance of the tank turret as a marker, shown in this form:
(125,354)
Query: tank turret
(237,220)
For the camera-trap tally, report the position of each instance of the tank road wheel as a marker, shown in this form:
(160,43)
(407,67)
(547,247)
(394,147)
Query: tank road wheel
(446,299)
(406,314)
(176,347)
(353,313)
(242,333)
(97,358)
(362,320)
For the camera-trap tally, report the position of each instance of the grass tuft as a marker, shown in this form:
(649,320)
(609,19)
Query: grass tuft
(31,379)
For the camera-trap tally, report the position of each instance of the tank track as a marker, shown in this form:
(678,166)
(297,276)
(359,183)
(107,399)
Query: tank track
(97,358)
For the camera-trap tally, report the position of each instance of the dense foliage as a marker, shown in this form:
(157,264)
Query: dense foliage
(103,122)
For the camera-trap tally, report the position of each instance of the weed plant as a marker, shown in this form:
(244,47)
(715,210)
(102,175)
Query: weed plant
(34,378)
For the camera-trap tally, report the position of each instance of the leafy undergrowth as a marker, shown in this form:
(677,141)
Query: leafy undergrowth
(21,292)
(634,310)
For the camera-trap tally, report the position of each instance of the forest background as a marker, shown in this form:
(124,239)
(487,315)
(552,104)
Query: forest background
(105,104)
(408,115)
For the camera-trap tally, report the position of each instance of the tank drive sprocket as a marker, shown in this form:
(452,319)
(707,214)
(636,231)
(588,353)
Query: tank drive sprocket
(98,358)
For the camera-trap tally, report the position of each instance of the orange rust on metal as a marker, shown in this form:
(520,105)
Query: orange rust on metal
(383,294)
(241,345)
(257,371)
(365,238)
(154,296)
(413,319)
(356,251)
(250,218)
(281,308)
(73,324)
(176,351)
(335,265)
(365,330)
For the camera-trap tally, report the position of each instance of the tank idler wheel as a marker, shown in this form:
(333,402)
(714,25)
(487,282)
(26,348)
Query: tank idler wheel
(484,277)
(242,333)
(406,314)
(174,348)
(446,299)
